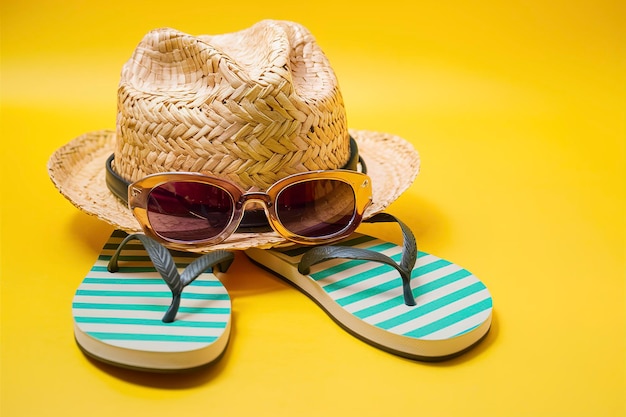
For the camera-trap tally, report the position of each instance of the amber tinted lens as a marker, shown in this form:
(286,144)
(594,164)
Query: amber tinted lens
(189,211)
(316,208)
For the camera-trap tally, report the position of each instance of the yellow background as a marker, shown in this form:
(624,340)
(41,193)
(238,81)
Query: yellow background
(518,111)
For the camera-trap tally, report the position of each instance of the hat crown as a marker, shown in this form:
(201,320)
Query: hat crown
(254,105)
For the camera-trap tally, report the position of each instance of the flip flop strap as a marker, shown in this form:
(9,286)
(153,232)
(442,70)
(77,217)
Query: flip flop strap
(407,262)
(165,265)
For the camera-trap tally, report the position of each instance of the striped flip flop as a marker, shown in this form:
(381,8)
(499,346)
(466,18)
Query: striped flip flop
(412,304)
(125,314)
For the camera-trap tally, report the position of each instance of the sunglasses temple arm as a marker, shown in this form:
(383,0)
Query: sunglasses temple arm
(164,264)
(409,256)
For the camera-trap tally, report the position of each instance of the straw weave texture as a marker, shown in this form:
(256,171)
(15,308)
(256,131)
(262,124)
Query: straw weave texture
(254,106)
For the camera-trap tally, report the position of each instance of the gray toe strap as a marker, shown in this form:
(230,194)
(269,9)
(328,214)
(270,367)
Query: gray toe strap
(409,255)
(164,263)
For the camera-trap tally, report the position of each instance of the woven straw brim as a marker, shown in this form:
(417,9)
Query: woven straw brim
(78,171)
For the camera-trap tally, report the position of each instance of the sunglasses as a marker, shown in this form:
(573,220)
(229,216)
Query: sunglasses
(193,210)
(308,208)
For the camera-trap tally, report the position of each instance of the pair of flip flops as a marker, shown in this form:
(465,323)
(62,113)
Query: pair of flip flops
(143,307)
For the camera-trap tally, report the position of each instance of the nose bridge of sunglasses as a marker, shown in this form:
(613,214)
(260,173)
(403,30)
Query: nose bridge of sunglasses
(254,199)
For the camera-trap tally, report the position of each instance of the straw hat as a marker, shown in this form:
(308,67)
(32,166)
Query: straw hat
(253,106)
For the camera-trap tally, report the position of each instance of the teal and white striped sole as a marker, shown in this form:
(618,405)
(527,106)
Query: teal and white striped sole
(117,316)
(453,311)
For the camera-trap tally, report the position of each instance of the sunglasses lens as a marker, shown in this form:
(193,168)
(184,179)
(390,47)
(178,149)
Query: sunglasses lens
(189,211)
(316,208)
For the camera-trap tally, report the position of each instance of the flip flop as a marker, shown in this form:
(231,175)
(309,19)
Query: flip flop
(124,313)
(409,303)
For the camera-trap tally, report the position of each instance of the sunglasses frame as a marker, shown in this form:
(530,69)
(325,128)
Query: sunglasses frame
(139,193)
